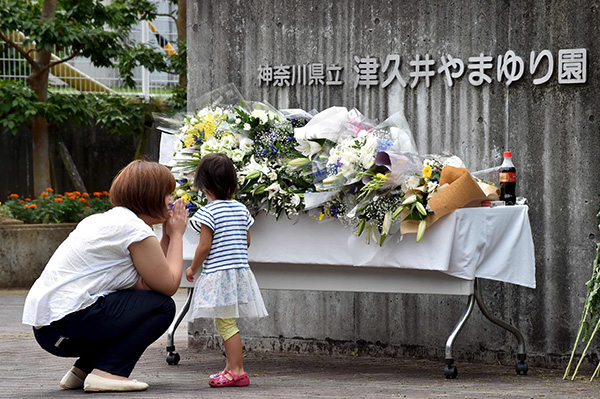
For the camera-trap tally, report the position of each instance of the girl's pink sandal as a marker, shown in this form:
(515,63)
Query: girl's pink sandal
(218,374)
(220,381)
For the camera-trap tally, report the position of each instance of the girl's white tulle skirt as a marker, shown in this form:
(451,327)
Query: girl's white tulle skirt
(227,294)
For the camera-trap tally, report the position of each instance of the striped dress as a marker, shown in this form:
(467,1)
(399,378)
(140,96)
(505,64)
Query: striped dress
(226,287)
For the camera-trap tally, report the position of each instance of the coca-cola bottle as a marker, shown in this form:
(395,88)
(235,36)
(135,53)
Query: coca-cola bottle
(508,180)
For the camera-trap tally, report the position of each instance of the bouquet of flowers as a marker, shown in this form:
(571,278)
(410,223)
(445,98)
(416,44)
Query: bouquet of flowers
(336,163)
(268,181)
(260,142)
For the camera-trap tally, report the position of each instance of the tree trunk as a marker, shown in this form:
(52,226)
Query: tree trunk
(140,151)
(70,166)
(182,32)
(41,156)
(38,81)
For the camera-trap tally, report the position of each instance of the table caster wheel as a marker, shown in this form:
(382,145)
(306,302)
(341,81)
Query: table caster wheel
(450,371)
(173,358)
(521,368)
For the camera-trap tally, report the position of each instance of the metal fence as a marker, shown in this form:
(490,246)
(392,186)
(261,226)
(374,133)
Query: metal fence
(79,74)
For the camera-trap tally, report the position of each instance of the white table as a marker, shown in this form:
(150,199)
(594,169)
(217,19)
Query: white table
(459,249)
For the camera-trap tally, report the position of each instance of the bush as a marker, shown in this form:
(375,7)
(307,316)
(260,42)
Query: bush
(49,207)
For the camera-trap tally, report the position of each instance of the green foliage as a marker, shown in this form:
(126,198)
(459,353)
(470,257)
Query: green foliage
(178,62)
(590,316)
(140,54)
(593,292)
(70,207)
(178,99)
(96,29)
(18,105)
(119,114)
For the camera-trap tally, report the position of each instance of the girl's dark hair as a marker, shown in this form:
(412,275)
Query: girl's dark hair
(216,174)
(142,187)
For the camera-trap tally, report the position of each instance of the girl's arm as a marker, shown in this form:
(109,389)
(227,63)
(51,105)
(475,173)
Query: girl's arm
(159,270)
(248,239)
(202,250)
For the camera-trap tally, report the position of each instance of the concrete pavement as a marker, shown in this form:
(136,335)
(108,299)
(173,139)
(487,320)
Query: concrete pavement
(26,371)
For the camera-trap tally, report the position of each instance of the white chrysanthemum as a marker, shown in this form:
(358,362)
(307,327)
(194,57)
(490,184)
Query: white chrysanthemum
(295,200)
(411,183)
(260,114)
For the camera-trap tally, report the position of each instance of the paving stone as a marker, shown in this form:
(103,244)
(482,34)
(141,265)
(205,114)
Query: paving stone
(26,371)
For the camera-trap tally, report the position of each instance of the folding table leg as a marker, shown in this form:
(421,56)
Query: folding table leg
(450,371)
(172,356)
(521,365)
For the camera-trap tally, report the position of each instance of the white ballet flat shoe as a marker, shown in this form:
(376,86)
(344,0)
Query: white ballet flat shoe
(95,383)
(71,381)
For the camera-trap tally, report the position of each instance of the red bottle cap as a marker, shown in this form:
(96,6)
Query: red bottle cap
(507,154)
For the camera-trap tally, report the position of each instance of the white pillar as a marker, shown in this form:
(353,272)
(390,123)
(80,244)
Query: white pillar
(145,72)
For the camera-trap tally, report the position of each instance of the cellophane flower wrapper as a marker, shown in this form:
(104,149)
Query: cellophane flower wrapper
(297,116)
(350,156)
(395,135)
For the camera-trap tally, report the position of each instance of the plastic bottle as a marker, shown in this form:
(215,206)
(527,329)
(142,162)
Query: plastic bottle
(508,180)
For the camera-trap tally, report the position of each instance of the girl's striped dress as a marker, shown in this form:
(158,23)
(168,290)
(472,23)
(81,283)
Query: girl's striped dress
(227,287)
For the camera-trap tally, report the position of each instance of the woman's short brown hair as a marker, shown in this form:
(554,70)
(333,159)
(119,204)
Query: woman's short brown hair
(142,187)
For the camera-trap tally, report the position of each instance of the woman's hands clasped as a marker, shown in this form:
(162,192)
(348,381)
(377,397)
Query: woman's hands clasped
(177,221)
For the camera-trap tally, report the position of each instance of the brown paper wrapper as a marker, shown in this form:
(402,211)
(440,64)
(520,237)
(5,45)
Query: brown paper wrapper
(460,191)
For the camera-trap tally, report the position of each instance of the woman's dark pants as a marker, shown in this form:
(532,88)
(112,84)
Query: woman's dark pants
(111,334)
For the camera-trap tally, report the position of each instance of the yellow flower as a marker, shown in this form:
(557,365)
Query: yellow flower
(189,141)
(209,125)
(427,172)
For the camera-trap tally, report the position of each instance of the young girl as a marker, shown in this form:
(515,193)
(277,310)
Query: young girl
(226,289)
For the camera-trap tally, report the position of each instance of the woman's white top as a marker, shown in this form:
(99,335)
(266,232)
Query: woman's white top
(92,262)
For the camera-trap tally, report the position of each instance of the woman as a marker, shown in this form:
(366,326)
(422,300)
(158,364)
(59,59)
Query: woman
(105,294)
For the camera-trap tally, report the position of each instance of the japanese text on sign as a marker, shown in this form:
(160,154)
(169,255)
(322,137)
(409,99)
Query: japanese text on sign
(571,68)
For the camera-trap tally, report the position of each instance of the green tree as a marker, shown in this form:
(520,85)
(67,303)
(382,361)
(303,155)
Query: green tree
(56,31)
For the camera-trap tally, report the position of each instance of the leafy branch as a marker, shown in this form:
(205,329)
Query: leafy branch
(590,316)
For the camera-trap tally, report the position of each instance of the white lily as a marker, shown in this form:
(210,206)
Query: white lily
(387,223)
(421,229)
(273,189)
(308,148)
(297,162)
(421,209)
(410,200)
(253,169)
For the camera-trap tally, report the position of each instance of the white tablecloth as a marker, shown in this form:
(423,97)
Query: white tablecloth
(489,243)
